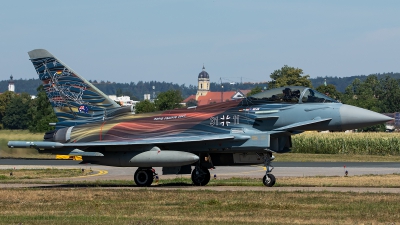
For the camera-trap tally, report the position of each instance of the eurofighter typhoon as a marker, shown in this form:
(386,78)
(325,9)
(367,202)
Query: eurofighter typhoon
(187,140)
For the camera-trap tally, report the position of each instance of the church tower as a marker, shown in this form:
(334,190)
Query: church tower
(11,86)
(203,83)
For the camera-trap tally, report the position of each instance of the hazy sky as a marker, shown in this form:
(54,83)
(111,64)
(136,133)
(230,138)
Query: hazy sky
(126,41)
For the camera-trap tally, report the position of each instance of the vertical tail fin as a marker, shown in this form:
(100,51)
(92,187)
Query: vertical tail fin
(71,96)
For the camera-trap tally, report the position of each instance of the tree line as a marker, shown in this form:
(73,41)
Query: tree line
(19,111)
(136,90)
(377,93)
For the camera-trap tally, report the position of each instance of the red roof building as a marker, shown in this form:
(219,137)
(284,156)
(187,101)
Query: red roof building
(204,96)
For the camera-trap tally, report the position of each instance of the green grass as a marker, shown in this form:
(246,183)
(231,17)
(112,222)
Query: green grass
(19,135)
(27,174)
(308,157)
(380,181)
(347,143)
(123,206)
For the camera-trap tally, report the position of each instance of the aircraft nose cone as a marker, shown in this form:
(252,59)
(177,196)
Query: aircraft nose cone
(353,117)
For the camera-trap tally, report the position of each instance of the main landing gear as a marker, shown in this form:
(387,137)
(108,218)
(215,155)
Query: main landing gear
(200,174)
(144,176)
(268,179)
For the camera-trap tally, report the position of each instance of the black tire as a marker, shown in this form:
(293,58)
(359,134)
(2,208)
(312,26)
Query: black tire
(270,181)
(143,177)
(200,177)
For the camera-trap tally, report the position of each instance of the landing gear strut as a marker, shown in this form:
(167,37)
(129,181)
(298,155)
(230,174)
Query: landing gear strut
(143,177)
(200,174)
(268,179)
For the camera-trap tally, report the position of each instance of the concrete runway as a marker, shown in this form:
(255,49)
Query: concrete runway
(282,169)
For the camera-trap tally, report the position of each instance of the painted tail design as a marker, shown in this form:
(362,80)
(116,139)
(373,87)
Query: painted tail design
(74,99)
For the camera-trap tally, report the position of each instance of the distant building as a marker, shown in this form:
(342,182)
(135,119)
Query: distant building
(204,96)
(203,83)
(123,100)
(147,97)
(11,85)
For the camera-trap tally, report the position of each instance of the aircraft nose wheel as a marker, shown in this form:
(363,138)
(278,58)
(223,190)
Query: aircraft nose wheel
(269,180)
(143,177)
(200,176)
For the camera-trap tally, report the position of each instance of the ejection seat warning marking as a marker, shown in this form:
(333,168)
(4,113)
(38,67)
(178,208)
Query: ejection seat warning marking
(224,120)
(170,117)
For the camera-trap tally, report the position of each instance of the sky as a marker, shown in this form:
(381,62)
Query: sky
(131,41)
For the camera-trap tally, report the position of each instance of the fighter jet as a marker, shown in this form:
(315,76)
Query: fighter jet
(238,132)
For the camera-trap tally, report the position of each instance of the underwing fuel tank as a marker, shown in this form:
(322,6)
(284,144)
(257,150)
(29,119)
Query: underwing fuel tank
(163,158)
(152,158)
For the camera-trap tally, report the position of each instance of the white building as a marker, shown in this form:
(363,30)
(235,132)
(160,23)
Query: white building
(147,97)
(11,86)
(124,100)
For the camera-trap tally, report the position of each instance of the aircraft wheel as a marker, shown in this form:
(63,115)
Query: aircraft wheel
(269,180)
(200,177)
(143,177)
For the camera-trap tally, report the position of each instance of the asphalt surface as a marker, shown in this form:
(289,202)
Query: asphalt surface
(53,162)
(282,169)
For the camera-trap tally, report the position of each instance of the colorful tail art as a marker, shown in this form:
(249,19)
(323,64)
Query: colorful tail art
(74,99)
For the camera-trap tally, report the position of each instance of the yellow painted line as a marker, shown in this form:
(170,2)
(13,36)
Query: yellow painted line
(100,173)
(264,168)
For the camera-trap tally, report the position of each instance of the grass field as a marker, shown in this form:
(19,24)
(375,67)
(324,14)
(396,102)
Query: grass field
(309,157)
(43,175)
(82,202)
(27,174)
(123,206)
(347,143)
(19,135)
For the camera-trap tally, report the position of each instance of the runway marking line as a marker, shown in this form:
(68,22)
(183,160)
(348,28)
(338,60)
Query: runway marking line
(100,173)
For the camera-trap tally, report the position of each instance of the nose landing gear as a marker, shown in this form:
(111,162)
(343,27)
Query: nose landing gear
(268,179)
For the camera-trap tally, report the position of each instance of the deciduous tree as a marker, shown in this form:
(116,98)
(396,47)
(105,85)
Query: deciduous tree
(330,90)
(41,113)
(170,99)
(16,114)
(254,91)
(144,107)
(289,76)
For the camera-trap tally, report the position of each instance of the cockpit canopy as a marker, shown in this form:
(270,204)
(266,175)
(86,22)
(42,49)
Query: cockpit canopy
(293,94)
